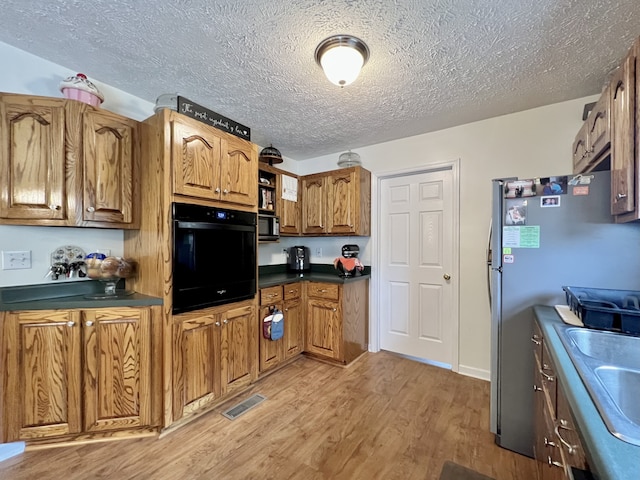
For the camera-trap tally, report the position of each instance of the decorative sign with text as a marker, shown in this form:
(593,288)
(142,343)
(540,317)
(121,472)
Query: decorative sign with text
(198,112)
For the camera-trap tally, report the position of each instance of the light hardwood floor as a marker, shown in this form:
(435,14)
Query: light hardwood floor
(384,417)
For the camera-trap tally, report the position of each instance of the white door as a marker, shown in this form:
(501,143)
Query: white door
(416,261)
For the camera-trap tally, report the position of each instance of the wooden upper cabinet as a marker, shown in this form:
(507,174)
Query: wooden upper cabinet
(42,394)
(623,166)
(239,171)
(110,160)
(337,202)
(313,204)
(66,163)
(117,368)
(196,161)
(342,202)
(32,158)
(599,126)
(213,165)
(594,137)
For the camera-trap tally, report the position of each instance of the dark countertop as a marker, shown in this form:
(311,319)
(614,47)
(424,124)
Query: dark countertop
(66,295)
(609,457)
(271,275)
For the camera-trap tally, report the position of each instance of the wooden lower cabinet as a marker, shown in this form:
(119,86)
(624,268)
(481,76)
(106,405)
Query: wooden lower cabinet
(213,354)
(557,446)
(286,298)
(337,317)
(77,371)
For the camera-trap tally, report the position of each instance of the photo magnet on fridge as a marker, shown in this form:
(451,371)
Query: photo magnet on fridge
(516,213)
(520,188)
(550,201)
(554,185)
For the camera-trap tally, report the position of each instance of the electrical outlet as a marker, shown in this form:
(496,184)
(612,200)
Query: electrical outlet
(16,260)
(318,251)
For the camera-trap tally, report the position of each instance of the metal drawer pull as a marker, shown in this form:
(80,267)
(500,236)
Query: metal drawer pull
(537,388)
(535,339)
(620,196)
(548,378)
(548,443)
(322,291)
(553,463)
(571,449)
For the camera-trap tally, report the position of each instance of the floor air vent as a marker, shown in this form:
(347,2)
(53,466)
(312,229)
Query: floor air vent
(244,406)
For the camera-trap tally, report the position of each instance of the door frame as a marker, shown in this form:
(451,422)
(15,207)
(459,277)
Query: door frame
(374,304)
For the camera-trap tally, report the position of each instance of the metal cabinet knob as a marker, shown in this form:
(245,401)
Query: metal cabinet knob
(71,324)
(91,209)
(89,323)
(225,191)
(225,321)
(217,324)
(218,190)
(620,196)
(54,207)
(335,309)
(446,276)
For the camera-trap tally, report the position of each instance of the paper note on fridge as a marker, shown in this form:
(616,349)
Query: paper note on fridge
(521,236)
(289,188)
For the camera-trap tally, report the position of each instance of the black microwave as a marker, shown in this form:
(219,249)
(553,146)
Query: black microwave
(268,228)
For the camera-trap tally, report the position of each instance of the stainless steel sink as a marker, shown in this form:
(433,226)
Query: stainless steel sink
(609,365)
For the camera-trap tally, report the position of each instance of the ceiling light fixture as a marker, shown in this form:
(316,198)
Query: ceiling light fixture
(341,57)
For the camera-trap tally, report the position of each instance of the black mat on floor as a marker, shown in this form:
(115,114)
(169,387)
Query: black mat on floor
(453,471)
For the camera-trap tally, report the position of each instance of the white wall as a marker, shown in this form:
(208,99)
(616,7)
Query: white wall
(525,144)
(25,73)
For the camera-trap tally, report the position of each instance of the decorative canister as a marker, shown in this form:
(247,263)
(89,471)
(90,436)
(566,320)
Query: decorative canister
(78,87)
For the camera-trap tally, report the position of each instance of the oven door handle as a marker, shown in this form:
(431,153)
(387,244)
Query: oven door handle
(214,226)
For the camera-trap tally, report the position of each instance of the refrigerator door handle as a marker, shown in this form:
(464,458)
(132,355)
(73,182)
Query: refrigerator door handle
(489,262)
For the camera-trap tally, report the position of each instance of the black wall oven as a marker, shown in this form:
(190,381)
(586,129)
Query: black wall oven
(214,256)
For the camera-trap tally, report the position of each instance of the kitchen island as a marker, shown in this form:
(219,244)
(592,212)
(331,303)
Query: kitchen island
(609,458)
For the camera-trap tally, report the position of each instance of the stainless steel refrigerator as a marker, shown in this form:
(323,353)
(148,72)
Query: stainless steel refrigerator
(562,235)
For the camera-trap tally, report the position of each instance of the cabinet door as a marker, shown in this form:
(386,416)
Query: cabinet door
(196,161)
(324,336)
(622,139)
(32,159)
(293,328)
(580,150)
(313,205)
(196,363)
(117,372)
(42,389)
(288,210)
(342,202)
(271,351)
(110,153)
(239,172)
(599,126)
(238,348)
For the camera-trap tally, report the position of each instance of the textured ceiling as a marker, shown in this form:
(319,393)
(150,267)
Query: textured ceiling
(434,63)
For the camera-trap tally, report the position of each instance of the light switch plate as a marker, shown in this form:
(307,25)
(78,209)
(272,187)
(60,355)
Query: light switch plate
(16,260)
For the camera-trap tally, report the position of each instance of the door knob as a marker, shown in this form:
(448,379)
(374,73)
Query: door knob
(446,276)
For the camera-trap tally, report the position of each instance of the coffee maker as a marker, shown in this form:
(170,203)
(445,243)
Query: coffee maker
(298,259)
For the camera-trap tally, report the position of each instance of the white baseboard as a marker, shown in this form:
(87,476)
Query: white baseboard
(475,372)
(8,450)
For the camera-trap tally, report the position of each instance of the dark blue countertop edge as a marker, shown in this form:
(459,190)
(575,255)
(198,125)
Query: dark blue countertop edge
(271,275)
(609,457)
(66,295)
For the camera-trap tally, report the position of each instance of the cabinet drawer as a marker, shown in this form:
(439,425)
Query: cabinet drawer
(323,290)
(292,291)
(270,295)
